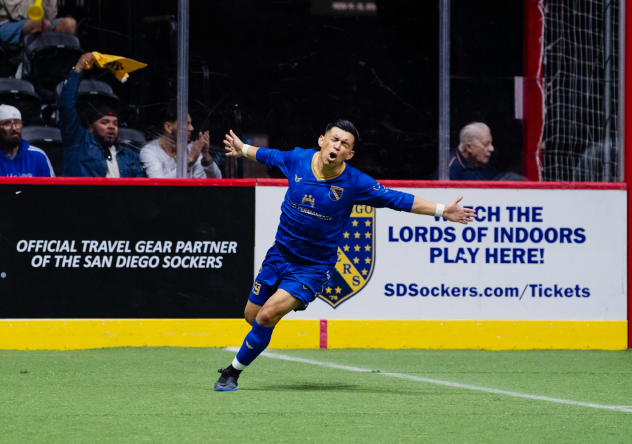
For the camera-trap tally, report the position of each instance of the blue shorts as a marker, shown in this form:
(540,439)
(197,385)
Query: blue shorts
(11,32)
(301,281)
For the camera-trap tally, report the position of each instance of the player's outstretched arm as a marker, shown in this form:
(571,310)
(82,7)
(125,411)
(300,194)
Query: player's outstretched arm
(452,212)
(235,147)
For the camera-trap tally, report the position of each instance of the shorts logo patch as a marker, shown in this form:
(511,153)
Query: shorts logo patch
(356,256)
(335,193)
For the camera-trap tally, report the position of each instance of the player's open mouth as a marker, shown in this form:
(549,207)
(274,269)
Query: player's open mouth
(332,156)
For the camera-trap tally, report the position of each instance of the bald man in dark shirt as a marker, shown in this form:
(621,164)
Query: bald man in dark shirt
(470,161)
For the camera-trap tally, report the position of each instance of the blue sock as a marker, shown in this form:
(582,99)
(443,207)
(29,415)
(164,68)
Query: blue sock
(256,341)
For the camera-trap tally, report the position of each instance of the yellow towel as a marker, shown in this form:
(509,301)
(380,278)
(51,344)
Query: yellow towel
(120,66)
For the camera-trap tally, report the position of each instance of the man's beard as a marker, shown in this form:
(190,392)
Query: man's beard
(173,136)
(11,141)
(104,143)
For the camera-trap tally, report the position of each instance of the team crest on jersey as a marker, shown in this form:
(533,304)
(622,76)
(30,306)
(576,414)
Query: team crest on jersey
(335,193)
(356,257)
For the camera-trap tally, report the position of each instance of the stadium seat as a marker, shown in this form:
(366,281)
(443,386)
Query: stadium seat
(92,94)
(9,59)
(131,138)
(48,58)
(21,94)
(5,68)
(48,139)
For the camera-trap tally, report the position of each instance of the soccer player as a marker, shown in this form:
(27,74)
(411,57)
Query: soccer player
(322,192)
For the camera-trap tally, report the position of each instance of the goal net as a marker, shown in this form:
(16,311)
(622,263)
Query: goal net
(580,85)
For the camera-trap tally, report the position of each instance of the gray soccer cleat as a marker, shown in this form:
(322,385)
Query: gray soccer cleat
(227,382)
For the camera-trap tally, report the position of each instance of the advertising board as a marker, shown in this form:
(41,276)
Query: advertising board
(98,251)
(532,254)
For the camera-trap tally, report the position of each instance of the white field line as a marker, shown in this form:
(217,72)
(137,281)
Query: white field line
(618,408)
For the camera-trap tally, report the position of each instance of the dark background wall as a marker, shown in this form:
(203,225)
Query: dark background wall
(291,70)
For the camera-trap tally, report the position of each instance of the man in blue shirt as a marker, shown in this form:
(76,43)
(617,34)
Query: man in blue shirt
(322,192)
(95,151)
(470,161)
(17,157)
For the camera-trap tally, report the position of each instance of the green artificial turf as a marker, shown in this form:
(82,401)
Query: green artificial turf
(166,395)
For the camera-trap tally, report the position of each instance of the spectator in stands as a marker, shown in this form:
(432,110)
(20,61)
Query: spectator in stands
(470,161)
(15,24)
(17,157)
(94,152)
(158,157)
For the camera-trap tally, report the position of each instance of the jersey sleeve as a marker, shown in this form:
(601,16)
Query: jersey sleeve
(276,158)
(369,192)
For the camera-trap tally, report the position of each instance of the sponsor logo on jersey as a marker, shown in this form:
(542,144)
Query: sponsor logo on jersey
(297,179)
(309,199)
(356,258)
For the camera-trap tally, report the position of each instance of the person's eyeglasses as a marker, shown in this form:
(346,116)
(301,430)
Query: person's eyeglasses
(7,124)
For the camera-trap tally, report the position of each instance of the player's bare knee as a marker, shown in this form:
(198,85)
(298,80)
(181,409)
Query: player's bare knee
(267,317)
(249,317)
(263,317)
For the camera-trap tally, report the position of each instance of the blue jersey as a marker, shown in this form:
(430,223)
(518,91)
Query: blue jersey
(316,209)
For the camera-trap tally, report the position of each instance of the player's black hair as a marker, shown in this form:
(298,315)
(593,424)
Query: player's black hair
(347,126)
